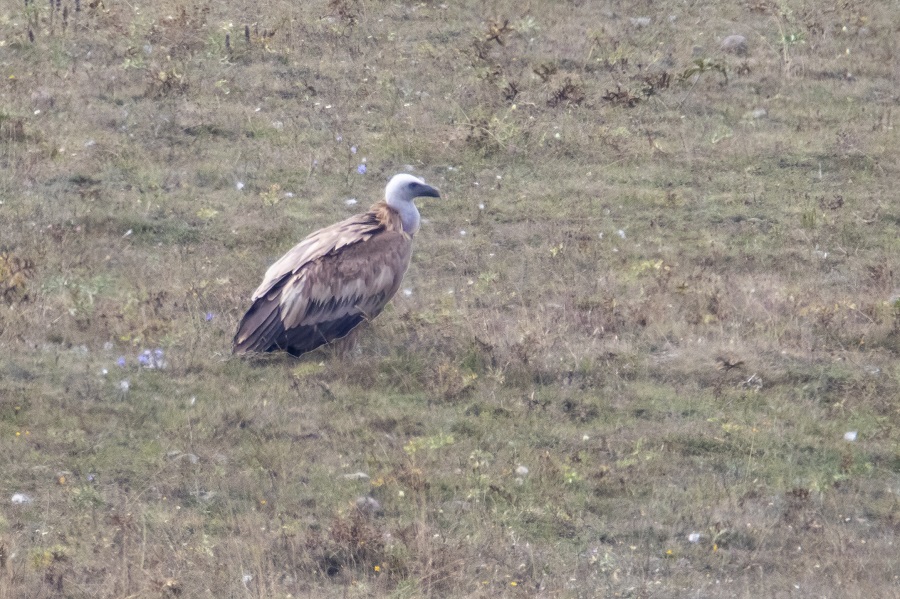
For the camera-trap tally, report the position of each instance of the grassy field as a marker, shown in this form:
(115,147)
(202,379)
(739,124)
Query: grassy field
(647,346)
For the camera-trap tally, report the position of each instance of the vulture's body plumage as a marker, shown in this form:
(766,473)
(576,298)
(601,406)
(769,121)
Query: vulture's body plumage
(336,277)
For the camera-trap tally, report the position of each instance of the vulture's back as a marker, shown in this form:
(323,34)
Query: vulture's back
(327,284)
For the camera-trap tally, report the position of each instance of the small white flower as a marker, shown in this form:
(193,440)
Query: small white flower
(239,185)
(246,578)
(481,206)
(21,498)
(350,202)
(127,233)
(407,292)
(621,233)
(462,233)
(124,386)
(522,470)
(850,436)
(694,537)
(585,438)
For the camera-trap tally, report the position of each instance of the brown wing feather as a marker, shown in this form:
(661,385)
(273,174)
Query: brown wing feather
(325,241)
(327,284)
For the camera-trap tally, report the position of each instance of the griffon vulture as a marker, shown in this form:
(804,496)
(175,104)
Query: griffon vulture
(335,278)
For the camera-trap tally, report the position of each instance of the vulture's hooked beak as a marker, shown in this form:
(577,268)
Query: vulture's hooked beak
(426,191)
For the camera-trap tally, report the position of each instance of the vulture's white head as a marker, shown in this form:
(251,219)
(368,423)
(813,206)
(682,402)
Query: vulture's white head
(401,190)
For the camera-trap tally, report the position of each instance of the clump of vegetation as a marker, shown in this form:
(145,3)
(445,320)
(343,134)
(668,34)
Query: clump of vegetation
(15,272)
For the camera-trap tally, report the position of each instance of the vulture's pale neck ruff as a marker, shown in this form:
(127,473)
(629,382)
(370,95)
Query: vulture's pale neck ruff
(399,195)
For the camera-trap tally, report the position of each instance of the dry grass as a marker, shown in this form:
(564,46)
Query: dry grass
(661,287)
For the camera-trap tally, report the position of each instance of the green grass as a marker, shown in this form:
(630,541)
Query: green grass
(665,311)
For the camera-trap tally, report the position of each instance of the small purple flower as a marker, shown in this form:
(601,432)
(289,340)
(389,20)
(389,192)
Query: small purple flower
(121,361)
(90,478)
(152,359)
(353,149)
(361,169)
(209,316)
